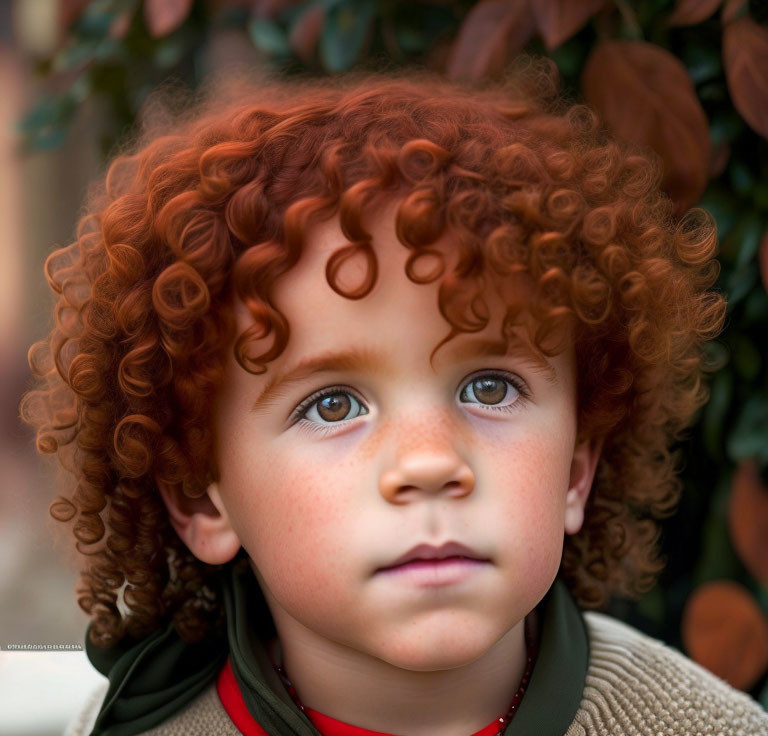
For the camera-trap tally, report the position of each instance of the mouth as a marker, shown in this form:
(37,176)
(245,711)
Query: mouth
(429,556)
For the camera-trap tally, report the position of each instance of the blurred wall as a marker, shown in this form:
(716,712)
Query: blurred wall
(40,196)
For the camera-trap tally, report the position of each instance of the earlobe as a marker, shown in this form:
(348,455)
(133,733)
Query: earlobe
(583,467)
(203,524)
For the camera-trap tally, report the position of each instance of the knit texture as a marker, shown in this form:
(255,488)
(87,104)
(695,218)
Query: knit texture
(640,686)
(635,686)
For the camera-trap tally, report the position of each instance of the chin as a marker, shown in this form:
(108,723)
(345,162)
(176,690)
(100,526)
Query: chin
(432,654)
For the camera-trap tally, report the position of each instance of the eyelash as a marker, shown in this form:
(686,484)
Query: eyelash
(315,427)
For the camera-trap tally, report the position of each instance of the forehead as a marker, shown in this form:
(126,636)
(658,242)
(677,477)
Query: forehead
(309,276)
(320,318)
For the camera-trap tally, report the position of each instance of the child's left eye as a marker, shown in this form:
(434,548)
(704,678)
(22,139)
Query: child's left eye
(335,404)
(493,388)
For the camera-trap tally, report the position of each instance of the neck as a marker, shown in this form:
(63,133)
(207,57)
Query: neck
(370,693)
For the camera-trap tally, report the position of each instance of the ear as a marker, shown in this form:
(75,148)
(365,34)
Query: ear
(203,524)
(583,466)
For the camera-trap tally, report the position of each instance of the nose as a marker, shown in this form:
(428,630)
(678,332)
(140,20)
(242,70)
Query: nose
(430,473)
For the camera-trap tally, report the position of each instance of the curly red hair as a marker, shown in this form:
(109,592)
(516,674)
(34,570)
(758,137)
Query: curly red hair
(525,182)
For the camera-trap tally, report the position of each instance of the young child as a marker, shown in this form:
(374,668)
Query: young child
(368,388)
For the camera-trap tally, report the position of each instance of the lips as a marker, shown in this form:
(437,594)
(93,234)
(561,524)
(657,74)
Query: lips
(430,552)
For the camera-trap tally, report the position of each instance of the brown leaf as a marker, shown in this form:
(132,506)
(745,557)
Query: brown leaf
(745,57)
(305,32)
(748,512)
(726,631)
(763,256)
(691,12)
(645,95)
(492,32)
(165,16)
(558,20)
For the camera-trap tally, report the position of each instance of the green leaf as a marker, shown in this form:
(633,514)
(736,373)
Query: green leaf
(77,52)
(344,32)
(169,51)
(739,284)
(716,355)
(416,27)
(762,597)
(712,91)
(721,204)
(81,88)
(746,358)
(740,175)
(702,61)
(269,37)
(653,606)
(45,126)
(569,57)
(756,308)
(725,125)
(760,195)
(97,17)
(410,39)
(717,559)
(751,232)
(721,391)
(649,10)
(749,437)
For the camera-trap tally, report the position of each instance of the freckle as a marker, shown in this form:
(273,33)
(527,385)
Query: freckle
(422,434)
(372,444)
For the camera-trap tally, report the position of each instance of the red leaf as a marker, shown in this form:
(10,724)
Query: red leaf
(691,12)
(305,32)
(645,95)
(745,56)
(748,513)
(558,20)
(492,32)
(165,16)
(725,630)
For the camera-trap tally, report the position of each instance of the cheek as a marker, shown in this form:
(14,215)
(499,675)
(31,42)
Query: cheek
(292,524)
(532,475)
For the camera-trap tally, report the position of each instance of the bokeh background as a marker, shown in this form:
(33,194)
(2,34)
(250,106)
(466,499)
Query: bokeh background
(686,78)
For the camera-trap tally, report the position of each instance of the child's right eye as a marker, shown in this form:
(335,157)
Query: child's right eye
(330,405)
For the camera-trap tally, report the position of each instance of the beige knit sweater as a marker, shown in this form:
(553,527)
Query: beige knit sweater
(635,686)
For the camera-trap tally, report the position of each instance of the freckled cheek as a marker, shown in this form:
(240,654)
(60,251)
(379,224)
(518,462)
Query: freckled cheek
(296,525)
(531,477)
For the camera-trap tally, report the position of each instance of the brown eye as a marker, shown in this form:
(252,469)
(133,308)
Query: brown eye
(490,390)
(331,406)
(334,407)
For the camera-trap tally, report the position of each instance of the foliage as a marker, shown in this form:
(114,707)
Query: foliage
(688,78)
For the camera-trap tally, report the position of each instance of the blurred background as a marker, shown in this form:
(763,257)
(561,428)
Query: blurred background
(687,78)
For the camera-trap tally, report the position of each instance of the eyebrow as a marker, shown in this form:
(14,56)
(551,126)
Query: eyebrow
(366,359)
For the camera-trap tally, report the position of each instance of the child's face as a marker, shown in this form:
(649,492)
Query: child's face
(400,455)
